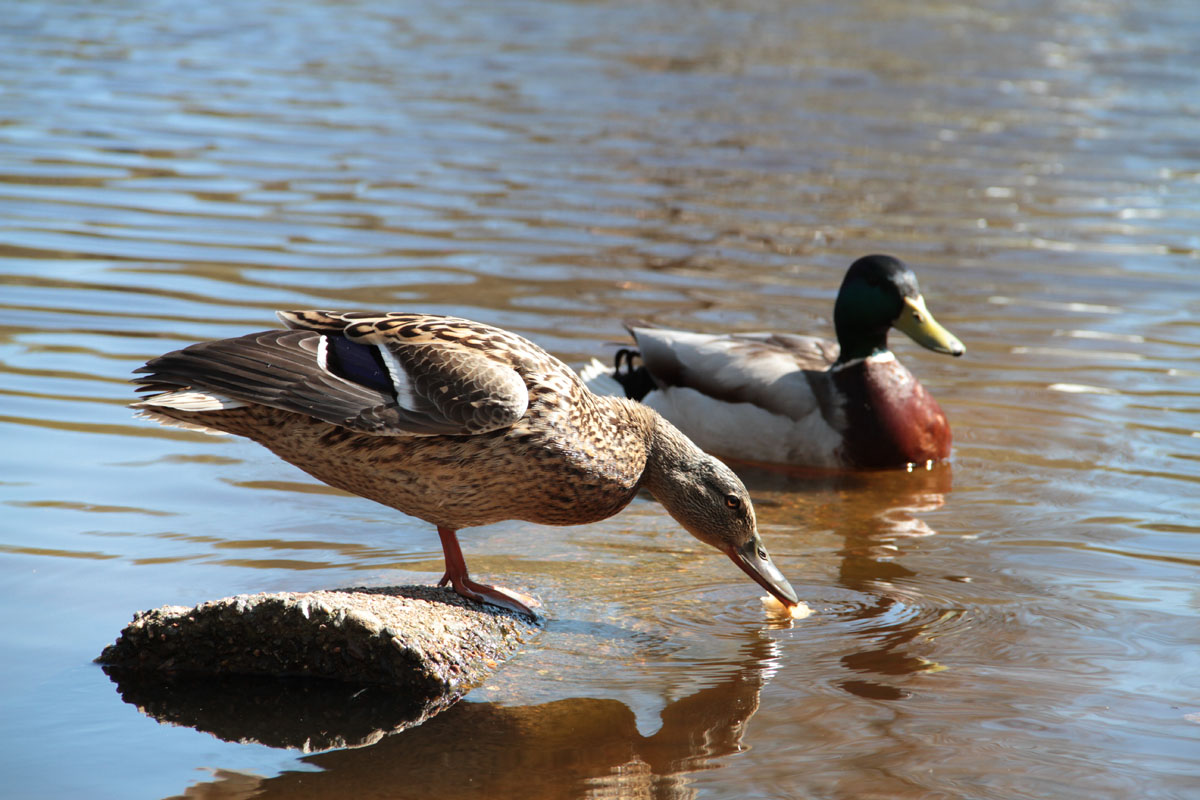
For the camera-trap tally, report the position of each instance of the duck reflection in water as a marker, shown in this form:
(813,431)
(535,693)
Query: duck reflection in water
(576,747)
(876,515)
(897,622)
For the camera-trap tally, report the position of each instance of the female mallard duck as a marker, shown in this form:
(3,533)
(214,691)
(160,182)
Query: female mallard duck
(456,423)
(801,400)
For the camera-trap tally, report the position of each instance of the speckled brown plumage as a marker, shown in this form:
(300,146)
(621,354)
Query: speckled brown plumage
(451,421)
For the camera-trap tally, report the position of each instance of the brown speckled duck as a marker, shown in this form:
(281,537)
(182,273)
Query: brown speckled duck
(800,400)
(455,422)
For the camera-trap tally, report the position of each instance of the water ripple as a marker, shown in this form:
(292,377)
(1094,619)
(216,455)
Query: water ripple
(1013,624)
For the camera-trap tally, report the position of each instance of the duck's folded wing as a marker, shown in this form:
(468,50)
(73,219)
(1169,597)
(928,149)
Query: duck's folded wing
(781,373)
(453,374)
(365,382)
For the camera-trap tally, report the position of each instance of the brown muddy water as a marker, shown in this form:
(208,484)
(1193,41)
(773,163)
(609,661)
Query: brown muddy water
(1023,622)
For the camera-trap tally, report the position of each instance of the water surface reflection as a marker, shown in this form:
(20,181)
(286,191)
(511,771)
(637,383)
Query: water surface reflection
(172,173)
(573,747)
(890,607)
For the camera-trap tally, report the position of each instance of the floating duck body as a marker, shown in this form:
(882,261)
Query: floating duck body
(455,422)
(801,400)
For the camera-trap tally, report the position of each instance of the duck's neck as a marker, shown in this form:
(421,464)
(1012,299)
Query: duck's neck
(669,453)
(858,342)
(862,315)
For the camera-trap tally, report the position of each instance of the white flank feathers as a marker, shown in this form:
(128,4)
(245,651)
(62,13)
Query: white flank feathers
(746,431)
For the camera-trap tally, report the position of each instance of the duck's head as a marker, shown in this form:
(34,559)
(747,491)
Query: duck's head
(711,502)
(878,293)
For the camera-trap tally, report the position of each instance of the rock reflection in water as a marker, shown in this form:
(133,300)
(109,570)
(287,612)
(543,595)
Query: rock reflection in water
(575,747)
(306,714)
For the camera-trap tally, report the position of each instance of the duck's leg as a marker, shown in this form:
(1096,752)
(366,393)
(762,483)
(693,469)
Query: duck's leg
(456,576)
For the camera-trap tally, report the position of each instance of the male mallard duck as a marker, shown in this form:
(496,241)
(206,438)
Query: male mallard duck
(786,399)
(456,423)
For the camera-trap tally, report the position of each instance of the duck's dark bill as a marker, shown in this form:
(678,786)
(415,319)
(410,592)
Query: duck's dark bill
(753,559)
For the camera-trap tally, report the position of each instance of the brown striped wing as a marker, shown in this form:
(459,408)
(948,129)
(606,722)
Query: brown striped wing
(362,371)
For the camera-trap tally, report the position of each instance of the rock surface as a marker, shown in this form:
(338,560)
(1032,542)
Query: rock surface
(424,641)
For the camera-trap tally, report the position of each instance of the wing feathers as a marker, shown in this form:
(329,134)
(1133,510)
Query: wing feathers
(779,373)
(341,368)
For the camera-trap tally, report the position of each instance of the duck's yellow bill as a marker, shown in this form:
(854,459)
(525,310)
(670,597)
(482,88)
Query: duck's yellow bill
(916,321)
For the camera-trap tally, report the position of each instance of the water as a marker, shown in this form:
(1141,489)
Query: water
(1019,623)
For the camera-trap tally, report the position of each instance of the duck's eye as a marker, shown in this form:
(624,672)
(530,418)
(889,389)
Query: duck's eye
(733,501)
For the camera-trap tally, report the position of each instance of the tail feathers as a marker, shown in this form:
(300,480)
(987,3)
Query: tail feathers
(190,400)
(155,408)
(286,370)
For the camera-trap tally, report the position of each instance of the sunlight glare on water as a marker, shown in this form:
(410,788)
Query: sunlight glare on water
(1017,623)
